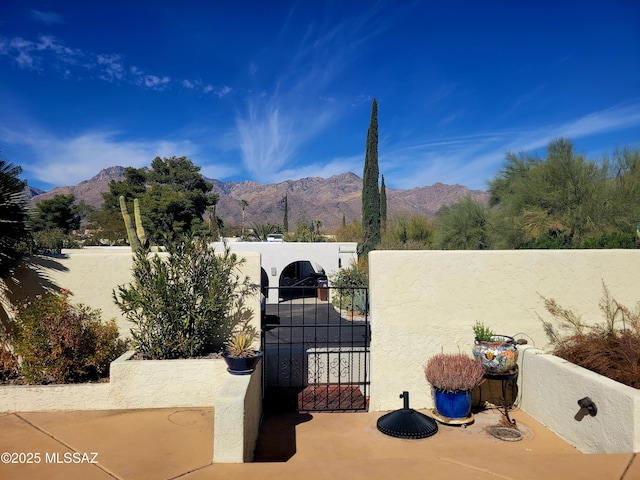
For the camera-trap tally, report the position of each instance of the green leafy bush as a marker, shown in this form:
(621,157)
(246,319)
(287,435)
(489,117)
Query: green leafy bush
(184,303)
(58,342)
(349,288)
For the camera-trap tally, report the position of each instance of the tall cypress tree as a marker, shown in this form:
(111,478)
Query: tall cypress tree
(285,221)
(383,206)
(370,191)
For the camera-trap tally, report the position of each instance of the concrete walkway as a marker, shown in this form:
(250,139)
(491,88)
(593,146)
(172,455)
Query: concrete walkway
(178,443)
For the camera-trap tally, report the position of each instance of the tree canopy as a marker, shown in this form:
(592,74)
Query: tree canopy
(564,199)
(58,212)
(370,188)
(173,197)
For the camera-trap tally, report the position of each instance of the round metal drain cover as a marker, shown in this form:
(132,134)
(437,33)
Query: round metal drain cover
(507,434)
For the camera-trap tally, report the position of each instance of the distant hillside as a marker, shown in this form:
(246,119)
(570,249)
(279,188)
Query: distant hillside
(324,199)
(89,190)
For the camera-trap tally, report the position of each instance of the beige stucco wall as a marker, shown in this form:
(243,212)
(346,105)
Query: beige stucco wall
(238,413)
(91,274)
(424,302)
(190,382)
(132,384)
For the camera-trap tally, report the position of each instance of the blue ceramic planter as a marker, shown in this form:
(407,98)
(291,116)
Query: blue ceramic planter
(453,405)
(242,366)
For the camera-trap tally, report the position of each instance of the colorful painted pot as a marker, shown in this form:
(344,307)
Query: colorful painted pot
(498,356)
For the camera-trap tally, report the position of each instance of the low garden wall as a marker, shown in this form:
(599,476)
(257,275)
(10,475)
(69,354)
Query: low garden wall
(132,384)
(549,390)
(238,413)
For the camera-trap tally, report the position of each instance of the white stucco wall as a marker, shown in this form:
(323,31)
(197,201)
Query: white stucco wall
(330,256)
(550,388)
(424,302)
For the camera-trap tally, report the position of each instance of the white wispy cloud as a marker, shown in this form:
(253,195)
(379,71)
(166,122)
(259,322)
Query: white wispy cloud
(50,52)
(58,160)
(474,159)
(113,69)
(280,120)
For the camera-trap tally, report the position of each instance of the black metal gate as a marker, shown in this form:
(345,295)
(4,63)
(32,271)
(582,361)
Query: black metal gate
(316,344)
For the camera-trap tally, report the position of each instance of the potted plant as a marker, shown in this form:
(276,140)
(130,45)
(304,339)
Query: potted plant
(498,353)
(240,355)
(453,377)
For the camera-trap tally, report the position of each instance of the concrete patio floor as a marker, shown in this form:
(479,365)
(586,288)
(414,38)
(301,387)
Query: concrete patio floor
(178,443)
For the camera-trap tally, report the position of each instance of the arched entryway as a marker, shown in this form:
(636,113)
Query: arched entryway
(299,279)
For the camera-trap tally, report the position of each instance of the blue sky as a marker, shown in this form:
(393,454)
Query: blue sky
(275,90)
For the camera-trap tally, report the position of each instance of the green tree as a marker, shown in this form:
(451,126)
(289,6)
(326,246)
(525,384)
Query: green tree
(408,232)
(285,220)
(307,231)
(133,186)
(462,226)
(560,200)
(106,227)
(173,197)
(14,216)
(349,232)
(176,198)
(383,206)
(215,223)
(57,213)
(370,190)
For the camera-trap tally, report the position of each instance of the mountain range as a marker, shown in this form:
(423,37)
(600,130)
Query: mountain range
(311,198)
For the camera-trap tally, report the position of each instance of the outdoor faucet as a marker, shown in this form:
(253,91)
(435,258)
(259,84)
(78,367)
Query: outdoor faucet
(588,404)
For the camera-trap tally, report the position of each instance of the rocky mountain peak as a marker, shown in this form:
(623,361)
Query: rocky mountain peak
(312,198)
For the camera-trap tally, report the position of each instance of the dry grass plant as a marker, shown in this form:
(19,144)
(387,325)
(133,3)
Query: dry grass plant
(454,372)
(611,348)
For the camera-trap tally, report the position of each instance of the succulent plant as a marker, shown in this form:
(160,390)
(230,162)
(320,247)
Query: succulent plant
(482,333)
(240,345)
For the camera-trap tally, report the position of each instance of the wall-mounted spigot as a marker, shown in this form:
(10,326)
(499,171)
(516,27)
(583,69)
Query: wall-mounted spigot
(588,405)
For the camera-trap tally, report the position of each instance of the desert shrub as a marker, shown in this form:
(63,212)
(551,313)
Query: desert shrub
(349,288)
(9,368)
(185,303)
(611,240)
(611,348)
(52,241)
(59,342)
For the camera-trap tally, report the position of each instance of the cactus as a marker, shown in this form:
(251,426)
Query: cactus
(137,236)
(142,235)
(360,300)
